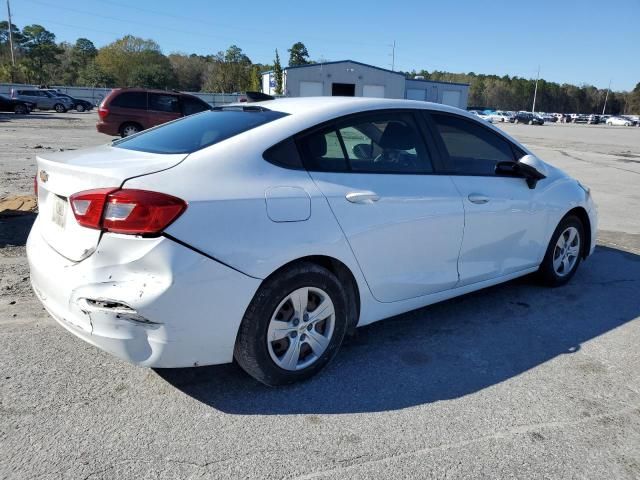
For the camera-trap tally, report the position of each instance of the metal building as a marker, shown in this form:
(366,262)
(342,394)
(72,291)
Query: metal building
(351,78)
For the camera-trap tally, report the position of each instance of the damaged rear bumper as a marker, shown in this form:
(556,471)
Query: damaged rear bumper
(149,301)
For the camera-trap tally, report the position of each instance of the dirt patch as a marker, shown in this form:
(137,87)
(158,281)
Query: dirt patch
(18,205)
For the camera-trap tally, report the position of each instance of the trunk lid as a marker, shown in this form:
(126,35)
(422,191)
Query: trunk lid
(62,174)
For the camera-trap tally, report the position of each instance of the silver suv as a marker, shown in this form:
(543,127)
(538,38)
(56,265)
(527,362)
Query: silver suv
(43,99)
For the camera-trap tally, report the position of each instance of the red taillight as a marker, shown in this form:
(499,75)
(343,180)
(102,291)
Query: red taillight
(35,185)
(134,212)
(103,112)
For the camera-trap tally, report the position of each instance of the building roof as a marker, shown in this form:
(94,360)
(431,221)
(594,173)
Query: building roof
(368,66)
(436,81)
(320,64)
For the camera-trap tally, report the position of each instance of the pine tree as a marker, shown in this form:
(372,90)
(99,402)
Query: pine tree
(277,71)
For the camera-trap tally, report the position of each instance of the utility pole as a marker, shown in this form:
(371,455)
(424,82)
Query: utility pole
(535,91)
(606,97)
(393,55)
(13,59)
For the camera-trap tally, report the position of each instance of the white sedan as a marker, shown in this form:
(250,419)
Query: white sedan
(500,117)
(620,121)
(266,232)
(483,116)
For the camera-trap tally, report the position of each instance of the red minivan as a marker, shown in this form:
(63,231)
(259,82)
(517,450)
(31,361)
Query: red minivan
(126,111)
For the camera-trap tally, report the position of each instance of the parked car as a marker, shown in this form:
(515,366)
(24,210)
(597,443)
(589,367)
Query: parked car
(126,111)
(621,121)
(548,117)
(528,118)
(500,116)
(265,232)
(483,116)
(634,119)
(77,104)
(16,106)
(593,119)
(580,118)
(43,99)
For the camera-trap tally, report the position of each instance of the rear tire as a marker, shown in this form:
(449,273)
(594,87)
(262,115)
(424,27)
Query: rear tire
(80,108)
(564,252)
(128,129)
(20,110)
(58,107)
(288,333)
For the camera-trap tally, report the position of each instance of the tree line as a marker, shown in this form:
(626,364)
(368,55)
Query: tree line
(133,61)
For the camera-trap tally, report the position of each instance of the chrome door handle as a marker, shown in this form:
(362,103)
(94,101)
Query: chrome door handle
(478,198)
(362,197)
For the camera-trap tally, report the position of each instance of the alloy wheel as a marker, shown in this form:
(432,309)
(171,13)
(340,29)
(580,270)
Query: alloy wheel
(566,251)
(301,328)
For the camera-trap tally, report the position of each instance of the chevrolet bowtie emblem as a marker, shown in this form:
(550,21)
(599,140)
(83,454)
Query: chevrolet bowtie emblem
(44,176)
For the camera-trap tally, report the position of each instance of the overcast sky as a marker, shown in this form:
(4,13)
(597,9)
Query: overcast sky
(572,41)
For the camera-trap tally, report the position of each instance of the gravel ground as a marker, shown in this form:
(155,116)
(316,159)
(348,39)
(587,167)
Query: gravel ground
(516,381)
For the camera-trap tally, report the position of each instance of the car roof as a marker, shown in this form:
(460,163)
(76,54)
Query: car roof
(338,106)
(150,90)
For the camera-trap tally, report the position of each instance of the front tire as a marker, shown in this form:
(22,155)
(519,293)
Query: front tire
(20,110)
(58,107)
(294,325)
(564,252)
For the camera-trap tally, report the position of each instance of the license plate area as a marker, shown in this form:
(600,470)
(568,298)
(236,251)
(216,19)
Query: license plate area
(59,210)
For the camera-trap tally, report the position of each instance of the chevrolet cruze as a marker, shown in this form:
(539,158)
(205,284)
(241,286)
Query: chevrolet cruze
(266,232)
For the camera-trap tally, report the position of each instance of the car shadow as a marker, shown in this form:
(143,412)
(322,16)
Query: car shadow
(444,351)
(15,227)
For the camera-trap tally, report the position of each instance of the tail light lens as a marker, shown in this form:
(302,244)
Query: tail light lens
(128,211)
(103,112)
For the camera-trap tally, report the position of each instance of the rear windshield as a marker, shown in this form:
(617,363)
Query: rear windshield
(197,131)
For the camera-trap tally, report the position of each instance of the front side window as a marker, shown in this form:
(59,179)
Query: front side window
(472,148)
(193,133)
(385,142)
(160,102)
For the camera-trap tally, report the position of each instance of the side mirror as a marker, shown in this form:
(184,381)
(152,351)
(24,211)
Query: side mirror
(531,168)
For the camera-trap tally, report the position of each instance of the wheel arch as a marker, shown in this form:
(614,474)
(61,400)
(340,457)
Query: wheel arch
(345,276)
(583,216)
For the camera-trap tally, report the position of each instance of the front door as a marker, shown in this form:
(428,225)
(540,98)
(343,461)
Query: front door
(403,223)
(504,218)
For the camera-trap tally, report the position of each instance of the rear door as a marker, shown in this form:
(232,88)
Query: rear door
(32,96)
(504,218)
(163,108)
(403,223)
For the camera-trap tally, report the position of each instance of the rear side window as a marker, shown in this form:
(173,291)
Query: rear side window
(164,103)
(197,131)
(284,154)
(131,100)
(193,105)
(472,149)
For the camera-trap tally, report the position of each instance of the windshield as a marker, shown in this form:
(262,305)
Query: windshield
(198,131)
